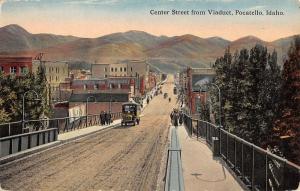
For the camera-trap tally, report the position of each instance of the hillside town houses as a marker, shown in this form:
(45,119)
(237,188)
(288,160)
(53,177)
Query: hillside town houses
(106,86)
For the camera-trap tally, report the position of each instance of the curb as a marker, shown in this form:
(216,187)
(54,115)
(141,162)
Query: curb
(28,152)
(52,145)
(88,134)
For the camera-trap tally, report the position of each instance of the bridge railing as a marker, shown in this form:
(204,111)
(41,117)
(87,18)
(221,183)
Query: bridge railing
(174,175)
(62,124)
(257,168)
(16,143)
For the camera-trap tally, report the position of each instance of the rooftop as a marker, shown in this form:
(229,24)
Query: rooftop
(100,97)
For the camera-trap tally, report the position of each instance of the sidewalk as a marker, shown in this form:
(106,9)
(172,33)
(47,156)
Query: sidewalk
(200,170)
(85,131)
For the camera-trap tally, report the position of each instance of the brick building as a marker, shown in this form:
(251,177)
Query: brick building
(97,102)
(191,80)
(108,85)
(15,65)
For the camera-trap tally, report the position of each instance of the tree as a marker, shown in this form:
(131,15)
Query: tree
(249,83)
(5,91)
(287,126)
(222,67)
(12,89)
(41,85)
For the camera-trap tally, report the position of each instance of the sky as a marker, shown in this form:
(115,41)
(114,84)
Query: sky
(94,18)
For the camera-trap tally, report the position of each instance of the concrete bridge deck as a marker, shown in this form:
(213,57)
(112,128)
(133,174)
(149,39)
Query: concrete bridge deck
(122,158)
(132,158)
(201,171)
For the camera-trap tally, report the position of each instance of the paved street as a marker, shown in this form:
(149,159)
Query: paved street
(130,158)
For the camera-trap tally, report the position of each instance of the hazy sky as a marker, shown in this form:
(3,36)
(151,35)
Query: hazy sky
(94,18)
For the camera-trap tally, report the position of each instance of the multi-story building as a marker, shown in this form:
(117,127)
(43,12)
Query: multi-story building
(107,85)
(56,72)
(138,69)
(192,80)
(97,102)
(131,68)
(15,65)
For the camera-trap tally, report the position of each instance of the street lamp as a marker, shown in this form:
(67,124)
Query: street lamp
(110,104)
(23,105)
(200,90)
(87,107)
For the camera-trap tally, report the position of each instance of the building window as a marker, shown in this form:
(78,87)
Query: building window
(57,70)
(96,86)
(56,78)
(23,70)
(131,69)
(116,69)
(84,86)
(1,69)
(105,69)
(112,69)
(13,70)
(105,76)
(124,69)
(121,69)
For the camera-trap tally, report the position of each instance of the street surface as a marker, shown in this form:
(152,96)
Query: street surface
(131,158)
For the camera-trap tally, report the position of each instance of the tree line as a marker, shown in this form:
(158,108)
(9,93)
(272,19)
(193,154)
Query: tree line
(12,89)
(260,101)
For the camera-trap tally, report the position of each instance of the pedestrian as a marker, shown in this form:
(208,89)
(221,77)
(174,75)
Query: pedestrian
(106,118)
(102,120)
(175,119)
(109,118)
(171,116)
(180,118)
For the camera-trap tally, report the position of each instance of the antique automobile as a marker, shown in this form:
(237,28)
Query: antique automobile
(130,113)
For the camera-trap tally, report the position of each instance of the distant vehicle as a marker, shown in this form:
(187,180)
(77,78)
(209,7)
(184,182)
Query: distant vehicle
(130,113)
(175,90)
(165,95)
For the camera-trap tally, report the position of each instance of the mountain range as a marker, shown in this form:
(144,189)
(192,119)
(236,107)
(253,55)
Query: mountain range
(167,53)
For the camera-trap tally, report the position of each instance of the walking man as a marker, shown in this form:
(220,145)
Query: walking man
(102,120)
(109,118)
(106,118)
(174,117)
